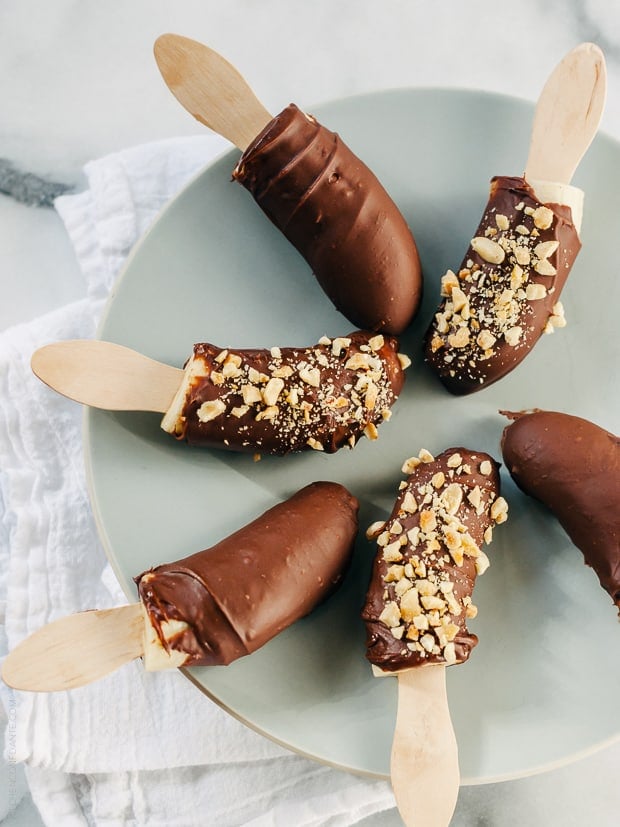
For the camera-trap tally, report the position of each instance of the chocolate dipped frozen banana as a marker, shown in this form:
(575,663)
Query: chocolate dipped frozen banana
(506,293)
(229,600)
(429,555)
(572,466)
(207,609)
(337,214)
(288,399)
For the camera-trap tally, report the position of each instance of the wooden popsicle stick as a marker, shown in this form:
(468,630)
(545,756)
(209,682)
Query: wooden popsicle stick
(76,650)
(424,763)
(567,115)
(210,88)
(106,375)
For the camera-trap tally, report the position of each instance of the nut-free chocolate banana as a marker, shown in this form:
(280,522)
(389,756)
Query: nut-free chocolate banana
(337,214)
(229,600)
(573,467)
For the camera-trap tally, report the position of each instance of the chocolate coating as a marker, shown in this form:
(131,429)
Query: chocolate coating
(573,467)
(240,593)
(336,213)
(493,313)
(430,550)
(329,395)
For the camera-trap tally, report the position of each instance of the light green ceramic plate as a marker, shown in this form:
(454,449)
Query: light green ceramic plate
(542,686)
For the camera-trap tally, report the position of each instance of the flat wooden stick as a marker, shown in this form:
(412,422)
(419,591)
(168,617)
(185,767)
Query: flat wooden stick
(106,375)
(567,115)
(424,764)
(210,88)
(76,650)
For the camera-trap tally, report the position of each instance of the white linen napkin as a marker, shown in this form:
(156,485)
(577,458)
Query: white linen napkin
(148,745)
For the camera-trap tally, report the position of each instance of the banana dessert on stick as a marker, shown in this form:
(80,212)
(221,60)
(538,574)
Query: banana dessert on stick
(276,400)
(335,212)
(207,609)
(226,602)
(416,611)
(572,466)
(429,555)
(322,197)
(506,293)
(288,399)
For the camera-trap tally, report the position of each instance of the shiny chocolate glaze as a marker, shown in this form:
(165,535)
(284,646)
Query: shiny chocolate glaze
(573,467)
(336,213)
(430,568)
(240,593)
(503,318)
(329,395)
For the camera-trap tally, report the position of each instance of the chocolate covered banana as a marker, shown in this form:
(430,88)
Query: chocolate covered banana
(506,293)
(573,467)
(337,214)
(429,555)
(229,600)
(288,399)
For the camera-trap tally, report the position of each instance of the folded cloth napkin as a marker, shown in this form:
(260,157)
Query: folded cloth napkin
(133,748)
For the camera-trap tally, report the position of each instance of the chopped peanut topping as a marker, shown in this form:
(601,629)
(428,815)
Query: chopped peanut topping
(495,302)
(443,516)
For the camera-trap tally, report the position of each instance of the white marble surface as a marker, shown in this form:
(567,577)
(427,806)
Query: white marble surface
(77,81)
